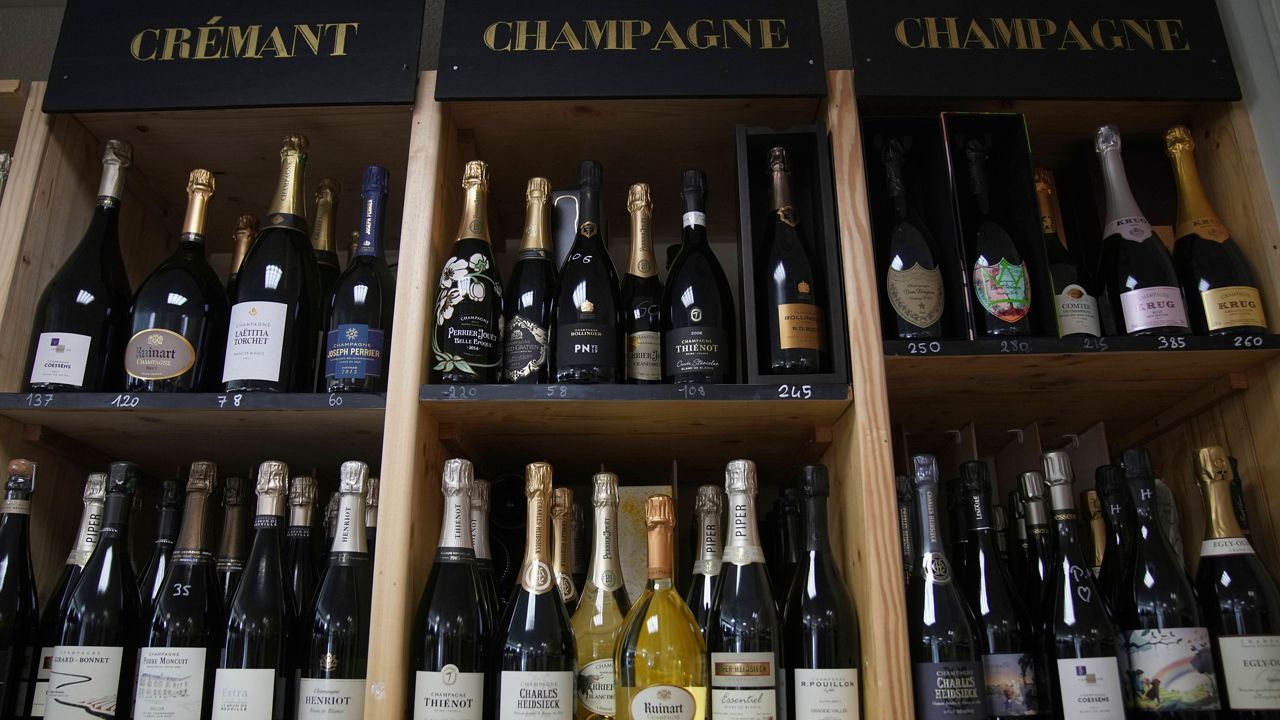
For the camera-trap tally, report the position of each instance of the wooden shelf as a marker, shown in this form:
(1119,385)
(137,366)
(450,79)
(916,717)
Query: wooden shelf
(1091,345)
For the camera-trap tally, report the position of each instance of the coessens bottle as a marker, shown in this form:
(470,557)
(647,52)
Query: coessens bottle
(913,285)
(603,606)
(642,294)
(527,310)
(701,595)
(19,611)
(797,330)
(1000,282)
(1075,307)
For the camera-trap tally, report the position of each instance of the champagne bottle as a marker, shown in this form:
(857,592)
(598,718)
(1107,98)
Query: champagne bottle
(744,637)
(535,661)
(906,531)
(642,294)
(955,527)
(1075,307)
(451,644)
(484,559)
(792,543)
(587,311)
(332,682)
(300,572)
(1170,653)
(1136,269)
(797,331)
(1239,598)
(913,285)
(562,544)
(1000,282)
(253,664)
(1224,297)
(182,636)
(1237,496)
(151,579)
(1080,640)
(241,237)
(707,508)
(19,610)
(330,529)
(55,607)
(81,319)
(604,605)
(1117,510)
(823,646)
(371,513)
(94,662)
(578,534)
(660,660)
(466,339)
(699,324)
(525,356)
(327,196)
(178,320)
(945,653)
(1040,551)
(362,309)
(234,544)
(1020,551)
(275,314)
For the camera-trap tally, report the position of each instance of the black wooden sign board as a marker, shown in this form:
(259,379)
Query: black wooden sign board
(507,49)
(1064,49)
(164,55)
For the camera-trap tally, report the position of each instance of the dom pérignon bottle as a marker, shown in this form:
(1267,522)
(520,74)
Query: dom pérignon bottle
(19,611)
(1223,296)
(587,312)
(275,314)
(179,316)
(168,515)
(1136,268)
(602,608)
(797,331)
(701,595)
(1000,283)
(913,282)
(327,197)
(241,237)
(526,349)
(360,311)
(698,320)
(1075,307)
(642,294)
(81,321)
(466,340)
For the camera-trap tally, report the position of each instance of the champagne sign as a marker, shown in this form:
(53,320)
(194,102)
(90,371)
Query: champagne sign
(1060,49)
(235,53)
(504,49)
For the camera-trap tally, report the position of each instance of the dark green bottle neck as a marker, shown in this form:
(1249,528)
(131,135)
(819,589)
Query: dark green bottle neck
(115,520)
(815,525)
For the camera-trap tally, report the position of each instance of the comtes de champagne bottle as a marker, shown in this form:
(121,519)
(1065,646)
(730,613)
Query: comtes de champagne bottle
(526,354)
(602,607)
(641,294)
(708,508)
(1074,305)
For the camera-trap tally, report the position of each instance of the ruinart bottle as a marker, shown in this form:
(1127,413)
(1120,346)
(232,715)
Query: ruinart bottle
(526,354)
(708,508)
(19,611)
(598,621)
(661,656)
(562,545)
(797,330)
(642,295)
(1074,305)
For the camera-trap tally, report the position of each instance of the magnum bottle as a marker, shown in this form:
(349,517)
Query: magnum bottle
(327,196)
(707,509)
(913,285)
(484,559)
(1074,305)
(19,611)
(797,331)
(598,620)
(246,227)
(151,580)
(234,543)
(999,270)
(562,544)
(642,295)
(526,336)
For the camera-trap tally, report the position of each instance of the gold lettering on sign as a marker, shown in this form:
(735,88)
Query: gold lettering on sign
(631,34)
(993,33)
(215,41)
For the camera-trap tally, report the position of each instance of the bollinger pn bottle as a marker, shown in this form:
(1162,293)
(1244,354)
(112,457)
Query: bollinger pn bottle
(1075,307)
(642,295)
(484,559)
(275,314)
(19,610)
(327,196)
(701,595)
(999,270)
(562,545)
(913,285)
(233,545)
(450,647)
(1239,597)
(180,647)
(151,579)
(178,321)
(797,342)
(527,311)
(241,237)
(81,319)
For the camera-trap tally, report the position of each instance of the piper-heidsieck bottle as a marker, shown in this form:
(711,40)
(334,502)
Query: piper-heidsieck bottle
(642,294)
(333,677)
(587,312)
(275,314)
(526,354)
(484,559)
(1079,639)
(562,545)
(1136,268)
(151,579)
(1074,305)
(913,283)
(1239,597)
(94,663)
(744,637)
(946,656)
(1040,551)
(451,643)
(233,545)
(707,508)
(823,648)
(182,636)
(322,230)
(19,611)
(797,342)
(602,608)
(81,321)
(55,607)
(178,321)
(999,270)
(241,237)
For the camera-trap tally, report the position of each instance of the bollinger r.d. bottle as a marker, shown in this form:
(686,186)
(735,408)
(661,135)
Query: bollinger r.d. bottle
(526,354)
(797,342)
(19,610)
(642,294)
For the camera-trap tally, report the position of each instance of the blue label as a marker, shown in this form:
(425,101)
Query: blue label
(353,352)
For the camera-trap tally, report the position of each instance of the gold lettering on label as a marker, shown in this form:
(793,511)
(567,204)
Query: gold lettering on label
(1073,36)
(207,40)
(309,36)
(491,37)
(773,34)
(900,32)
(340,36)
(241,39)
(996,33)
(1038,29)
(135,47)
(275,44)
(669,36)
(1143,31)
(625,34)
(1009,33)
(737,28)
(699,40)
(608,32)
(176,39)
(567,37)
(1171,35)
(632,29)
(975,34)
(539,35)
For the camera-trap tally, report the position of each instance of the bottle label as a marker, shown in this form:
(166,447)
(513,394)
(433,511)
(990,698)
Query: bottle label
(15,507)
(694,218)
(1011,684)
(949,691)
(353,352)
(936,568)
(537,577)
(708,566)
(524,349)
(468,327)
(743,686)
(158,354)
(1077,312)
(799,326)
(1136,228)
(585,343)
(255,341)
(170,683)
(1225,546)
(61,358)
(595,687)
(644,356)
(448,695)
(568,593)
(826,694)
(1209,228)
(1151,307)
(1090,688)
(1251,664)
(1236,306)
(42,682)
(240,694)
(668,702)
(335,699)
(696,350)
(84,682)
(1002,290)
(1171,669)
(536,695)
(916,294)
